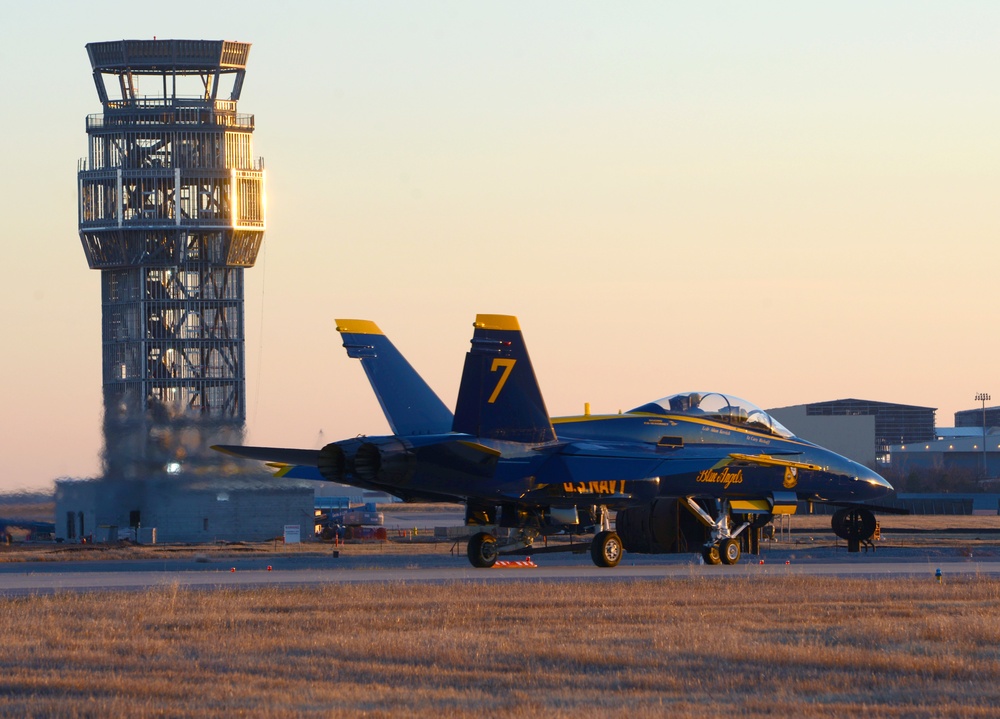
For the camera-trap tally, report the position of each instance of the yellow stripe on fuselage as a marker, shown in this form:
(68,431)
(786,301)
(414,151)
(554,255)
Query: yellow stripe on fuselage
(359,327)
(589,418)
(676,418)
(769,461)
(497,322)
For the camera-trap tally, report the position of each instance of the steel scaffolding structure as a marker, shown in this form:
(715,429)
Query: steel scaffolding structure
(171,210)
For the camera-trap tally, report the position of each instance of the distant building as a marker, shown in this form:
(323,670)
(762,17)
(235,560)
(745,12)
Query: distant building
(346,493)
(954,450)
(974,417)
(182,509)
(862,430)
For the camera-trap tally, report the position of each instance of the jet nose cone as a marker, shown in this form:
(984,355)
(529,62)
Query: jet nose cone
(877,485)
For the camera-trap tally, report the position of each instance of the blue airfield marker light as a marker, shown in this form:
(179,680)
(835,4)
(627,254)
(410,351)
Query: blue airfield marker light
(937,574)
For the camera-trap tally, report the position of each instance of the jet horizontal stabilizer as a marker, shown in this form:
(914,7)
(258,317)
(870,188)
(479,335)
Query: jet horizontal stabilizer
(272,455)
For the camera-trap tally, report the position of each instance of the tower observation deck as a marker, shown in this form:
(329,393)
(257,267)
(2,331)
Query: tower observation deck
(171,211)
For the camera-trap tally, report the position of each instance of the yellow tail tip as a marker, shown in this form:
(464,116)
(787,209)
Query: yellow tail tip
(497,322)
(360,327)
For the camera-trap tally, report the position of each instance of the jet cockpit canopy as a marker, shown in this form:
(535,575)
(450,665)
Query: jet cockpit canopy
(720,408)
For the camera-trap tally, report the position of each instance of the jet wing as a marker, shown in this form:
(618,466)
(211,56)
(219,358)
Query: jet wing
(593,461)
(286,463)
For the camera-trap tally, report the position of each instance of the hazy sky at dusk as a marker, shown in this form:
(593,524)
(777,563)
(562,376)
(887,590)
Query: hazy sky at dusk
(787,201)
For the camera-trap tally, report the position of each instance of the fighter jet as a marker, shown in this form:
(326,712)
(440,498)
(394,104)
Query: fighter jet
(523,476)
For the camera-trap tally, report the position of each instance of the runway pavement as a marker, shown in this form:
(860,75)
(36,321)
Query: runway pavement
(286,571)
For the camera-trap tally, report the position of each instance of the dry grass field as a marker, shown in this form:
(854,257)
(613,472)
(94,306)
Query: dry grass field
(794,647)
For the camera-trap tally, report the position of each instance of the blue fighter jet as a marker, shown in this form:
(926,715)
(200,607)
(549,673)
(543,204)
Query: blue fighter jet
(702,457)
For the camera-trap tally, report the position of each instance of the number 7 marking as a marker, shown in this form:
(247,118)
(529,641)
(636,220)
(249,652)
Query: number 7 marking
(508,365)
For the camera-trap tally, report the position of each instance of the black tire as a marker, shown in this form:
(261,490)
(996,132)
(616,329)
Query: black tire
(711,554)
(853,523)
(482,550)
(729,552)
(606,550)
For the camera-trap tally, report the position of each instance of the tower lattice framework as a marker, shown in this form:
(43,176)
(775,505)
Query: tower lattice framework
(171,211)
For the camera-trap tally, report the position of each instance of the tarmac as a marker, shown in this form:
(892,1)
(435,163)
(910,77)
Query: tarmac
(424,565)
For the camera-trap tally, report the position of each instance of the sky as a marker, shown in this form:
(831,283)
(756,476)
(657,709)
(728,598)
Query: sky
(790,202)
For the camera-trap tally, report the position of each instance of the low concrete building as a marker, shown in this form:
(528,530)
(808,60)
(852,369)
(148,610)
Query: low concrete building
(182,509)
(951,451)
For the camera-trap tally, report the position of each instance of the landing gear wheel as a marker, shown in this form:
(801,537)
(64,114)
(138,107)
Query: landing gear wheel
(606,549)
(729,552)
(853,523)
(711,554)
(483,550)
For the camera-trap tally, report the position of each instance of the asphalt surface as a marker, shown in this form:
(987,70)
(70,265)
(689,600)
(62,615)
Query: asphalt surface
(26,578)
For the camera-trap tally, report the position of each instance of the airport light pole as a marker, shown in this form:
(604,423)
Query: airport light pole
(984,398)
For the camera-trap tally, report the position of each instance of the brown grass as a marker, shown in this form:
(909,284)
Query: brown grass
(795,647)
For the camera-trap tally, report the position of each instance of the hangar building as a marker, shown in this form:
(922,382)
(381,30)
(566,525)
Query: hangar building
(974,417)
(954,450)
(862,430)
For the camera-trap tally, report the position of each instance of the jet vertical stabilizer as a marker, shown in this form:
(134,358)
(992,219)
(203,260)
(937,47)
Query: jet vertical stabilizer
(499,397)
(410,405)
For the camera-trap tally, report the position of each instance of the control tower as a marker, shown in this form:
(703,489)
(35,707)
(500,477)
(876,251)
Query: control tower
(171,211)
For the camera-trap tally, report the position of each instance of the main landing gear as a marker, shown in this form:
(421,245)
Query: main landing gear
(723,547)
(606,549)
(482,550)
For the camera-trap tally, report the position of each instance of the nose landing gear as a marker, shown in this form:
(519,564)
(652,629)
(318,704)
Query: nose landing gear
(722,547)
(855,524)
